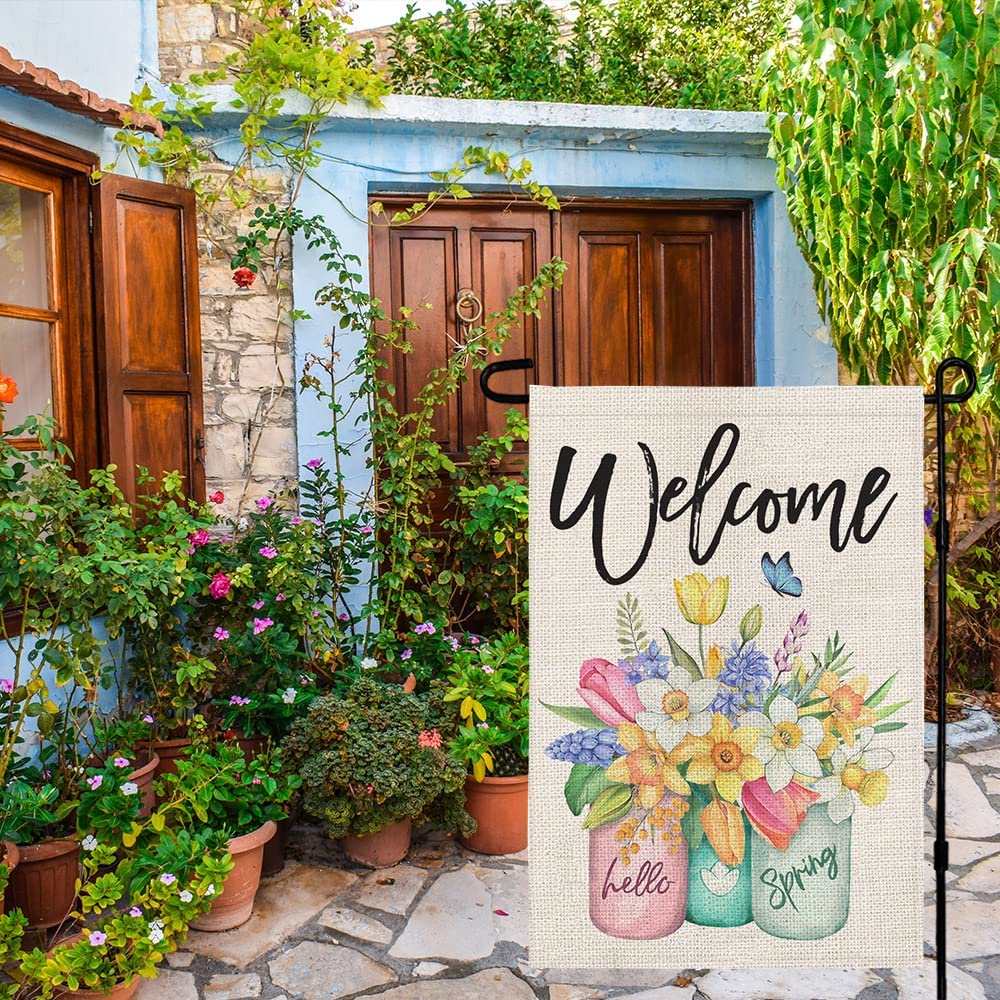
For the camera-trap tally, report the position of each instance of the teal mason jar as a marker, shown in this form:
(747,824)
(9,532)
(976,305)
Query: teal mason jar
(804,893)
(719,894)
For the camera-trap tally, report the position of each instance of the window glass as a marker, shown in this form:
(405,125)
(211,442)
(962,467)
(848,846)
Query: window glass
(23,251)
(25,356)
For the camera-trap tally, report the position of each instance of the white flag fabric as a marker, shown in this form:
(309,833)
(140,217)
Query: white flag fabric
(726,763)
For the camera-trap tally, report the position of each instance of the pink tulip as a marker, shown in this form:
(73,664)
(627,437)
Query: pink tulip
(776,816)
(607,692)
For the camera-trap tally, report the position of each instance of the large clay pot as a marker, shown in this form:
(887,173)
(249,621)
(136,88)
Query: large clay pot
(43,886)
(275,848)
(143,777)
(120,991)
(234,904)
(383,849)
(638,885)
(9,860)
(168,751)
(500,808)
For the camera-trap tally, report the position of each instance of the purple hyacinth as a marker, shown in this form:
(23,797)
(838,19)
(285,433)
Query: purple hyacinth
(730,701)
(792,644)
(654,663)
(597,747)
(747,669)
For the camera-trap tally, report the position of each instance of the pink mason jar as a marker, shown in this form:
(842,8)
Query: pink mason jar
(639,871)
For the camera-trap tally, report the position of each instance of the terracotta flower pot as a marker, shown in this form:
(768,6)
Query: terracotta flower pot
(120,991)
(275,848)
(43,886)
(9,858)
(234,904)
(383,849)
(500,808)
(168,751)
(143,777)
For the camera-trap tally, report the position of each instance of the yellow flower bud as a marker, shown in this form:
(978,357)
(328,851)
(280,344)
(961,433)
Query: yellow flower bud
(713,662)
(874,787)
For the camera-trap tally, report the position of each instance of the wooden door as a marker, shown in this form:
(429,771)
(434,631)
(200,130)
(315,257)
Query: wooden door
(147,294)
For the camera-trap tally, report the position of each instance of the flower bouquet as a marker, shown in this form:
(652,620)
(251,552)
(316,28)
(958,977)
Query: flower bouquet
(718,781)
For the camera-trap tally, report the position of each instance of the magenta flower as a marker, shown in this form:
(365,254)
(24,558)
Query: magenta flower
(221,634)
(6,685)
(121,761)
(135,912)
(261,625)
(256,780)
(167,879)
(219,586)
(95,782)
(257,605)
(425,628)
(295,521)
(407,653)
(453,642)
(474,640)
(97,938)
(237,700)
(268,551)
(314,463)
(342,616)
(264,502)
(148,719)
(367,529)
(279,597)
(199,537)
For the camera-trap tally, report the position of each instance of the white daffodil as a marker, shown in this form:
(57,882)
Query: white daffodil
(787,743)
(288,695)
(129,788)
(858,778)
(675,707)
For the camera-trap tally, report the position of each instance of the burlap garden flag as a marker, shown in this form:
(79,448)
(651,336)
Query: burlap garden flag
(727,677)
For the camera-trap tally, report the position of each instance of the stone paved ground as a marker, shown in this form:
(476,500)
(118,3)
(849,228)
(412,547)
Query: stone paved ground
(452,925)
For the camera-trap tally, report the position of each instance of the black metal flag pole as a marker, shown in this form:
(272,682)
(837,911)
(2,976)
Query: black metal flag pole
(939,399)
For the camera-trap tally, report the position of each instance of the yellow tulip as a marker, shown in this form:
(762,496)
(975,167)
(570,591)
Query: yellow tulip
(874,787)
(723,825)
(701,602)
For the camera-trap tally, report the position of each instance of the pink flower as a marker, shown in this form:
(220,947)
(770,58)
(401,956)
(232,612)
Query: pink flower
(487,669)
(261,625)
(279,597)
(6,685)
(95,782)
(314,463)
(121,762)
(295,521)
(237,700)
(407,653)
(776,816)
(264,502)
(474,640)
(303,680)
(341,617)
(217,497)
(367,529)
(257,605)
(219,586)
(268,551)
(607,692)
(430,739)
(221,634)
(148,719)
(425,628)
(199,537)
(256,780)
(167,879)
(97,938)
(135,912)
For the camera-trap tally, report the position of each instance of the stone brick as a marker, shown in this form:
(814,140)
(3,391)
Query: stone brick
(225,451)
(193,22)
(255,317)
(260,368)
(274,455)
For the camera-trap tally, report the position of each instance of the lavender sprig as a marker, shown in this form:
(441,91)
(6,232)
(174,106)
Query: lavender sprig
(792,644)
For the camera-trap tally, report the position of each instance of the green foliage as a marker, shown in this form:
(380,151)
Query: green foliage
(375,756)
(489,683)
(884,117)
(661,53)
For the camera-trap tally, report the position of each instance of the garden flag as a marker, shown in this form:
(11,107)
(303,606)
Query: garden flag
(727,677)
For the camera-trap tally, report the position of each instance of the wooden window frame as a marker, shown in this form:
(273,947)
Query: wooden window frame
(35,159)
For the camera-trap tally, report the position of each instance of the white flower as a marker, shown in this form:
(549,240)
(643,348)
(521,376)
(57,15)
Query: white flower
(129,788)
(676,707)
(156,931)
(787,743)
(210,891)
(185,896)
(369,663)
(288,695)
(843,789)
(89,843)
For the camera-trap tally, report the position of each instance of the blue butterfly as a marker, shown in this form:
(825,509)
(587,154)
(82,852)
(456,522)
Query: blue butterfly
(780,576)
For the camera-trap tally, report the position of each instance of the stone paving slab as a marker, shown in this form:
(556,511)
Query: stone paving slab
(448,924)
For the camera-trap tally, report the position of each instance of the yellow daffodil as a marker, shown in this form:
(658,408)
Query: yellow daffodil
(701,602)
(648,766)
(724,756)
(845,701)
(858,778)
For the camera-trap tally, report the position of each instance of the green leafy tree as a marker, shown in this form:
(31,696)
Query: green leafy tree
(884,121)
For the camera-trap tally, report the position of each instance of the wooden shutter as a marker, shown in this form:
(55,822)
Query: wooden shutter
(149,345)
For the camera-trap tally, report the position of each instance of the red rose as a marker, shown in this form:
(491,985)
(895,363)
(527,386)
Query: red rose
(244,277)
(217,497)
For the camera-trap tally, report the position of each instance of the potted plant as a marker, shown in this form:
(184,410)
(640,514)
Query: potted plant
(373,762)
(219,788)
(489,681)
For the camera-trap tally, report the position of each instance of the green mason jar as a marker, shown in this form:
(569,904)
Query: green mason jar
(719,895)
(804,893)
